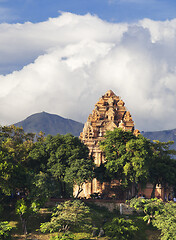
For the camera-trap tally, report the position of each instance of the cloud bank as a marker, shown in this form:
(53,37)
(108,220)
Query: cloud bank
(65,64)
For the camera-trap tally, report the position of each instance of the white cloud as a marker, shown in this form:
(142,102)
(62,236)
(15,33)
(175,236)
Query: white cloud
(73,60)
(22,43)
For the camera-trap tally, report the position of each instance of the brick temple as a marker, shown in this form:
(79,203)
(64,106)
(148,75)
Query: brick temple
(109,113)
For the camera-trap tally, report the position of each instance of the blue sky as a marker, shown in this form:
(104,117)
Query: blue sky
(13,11)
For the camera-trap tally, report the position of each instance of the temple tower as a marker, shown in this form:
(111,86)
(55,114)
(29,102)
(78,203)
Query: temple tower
(109,113)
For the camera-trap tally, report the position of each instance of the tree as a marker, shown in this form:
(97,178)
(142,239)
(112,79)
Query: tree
(64,158)
(120,228)
(150,207)
(132,159)
(5,230)
(70,215)
(15,146)
(40,188)
(39,191)
(64,236)
(65,152)
(162,167)
(17,163)
(161,215)
(6,172)
(38,156)
(79,172)
(166,222)
(25,211)
(126,156)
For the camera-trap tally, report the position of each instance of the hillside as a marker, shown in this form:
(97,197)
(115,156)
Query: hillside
(163,136)
(50,124)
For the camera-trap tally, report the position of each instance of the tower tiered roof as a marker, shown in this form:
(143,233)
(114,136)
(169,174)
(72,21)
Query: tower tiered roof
(109,113)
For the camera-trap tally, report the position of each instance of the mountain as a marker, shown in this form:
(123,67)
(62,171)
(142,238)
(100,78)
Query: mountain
(162,136)
(53,124)
(50,124)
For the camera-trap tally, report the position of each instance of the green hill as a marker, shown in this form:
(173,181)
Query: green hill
(50,124)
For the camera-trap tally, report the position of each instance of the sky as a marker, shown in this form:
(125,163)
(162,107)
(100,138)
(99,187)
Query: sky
(62,56)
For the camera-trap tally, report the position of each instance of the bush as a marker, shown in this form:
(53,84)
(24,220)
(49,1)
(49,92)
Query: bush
(5,230)
(166,222)
(120,228)
(65,236)
(70,215)
(150,207)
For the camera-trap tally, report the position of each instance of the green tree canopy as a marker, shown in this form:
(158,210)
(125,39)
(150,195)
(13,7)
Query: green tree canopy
(162,167)
(120,228)
(15,146)
(150,207)
(126,156)
(79,172)
(135,159)
(166,222)
(68,160)
(70,215)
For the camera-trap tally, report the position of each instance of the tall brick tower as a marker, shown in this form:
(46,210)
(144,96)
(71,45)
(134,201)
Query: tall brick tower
(109,113)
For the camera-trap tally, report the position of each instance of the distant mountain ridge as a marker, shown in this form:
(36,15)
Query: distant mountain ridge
(53,124)
(50,124)
(162,136)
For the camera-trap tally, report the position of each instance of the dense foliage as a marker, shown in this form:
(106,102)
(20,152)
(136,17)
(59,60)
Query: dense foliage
(70,215)
(5,230)
(162,168)
(15,146)
(150,207)
(120,228)
(127,157)
(34,168)
(33,164)
(135,159)
(160,214)
(166,222)
(68,161)
(64,236)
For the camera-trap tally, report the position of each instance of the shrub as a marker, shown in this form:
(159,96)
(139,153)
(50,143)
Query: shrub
(120,228)
(70,215)
(5,230)
(65,236)
(166,221)
(150,207)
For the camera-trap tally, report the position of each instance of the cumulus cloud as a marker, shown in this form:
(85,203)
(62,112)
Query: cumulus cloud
(67,63)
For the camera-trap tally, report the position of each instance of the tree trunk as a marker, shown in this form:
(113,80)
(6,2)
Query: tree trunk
(153,191)
(79,191)
(24,225)
(149,221)
(62,188)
